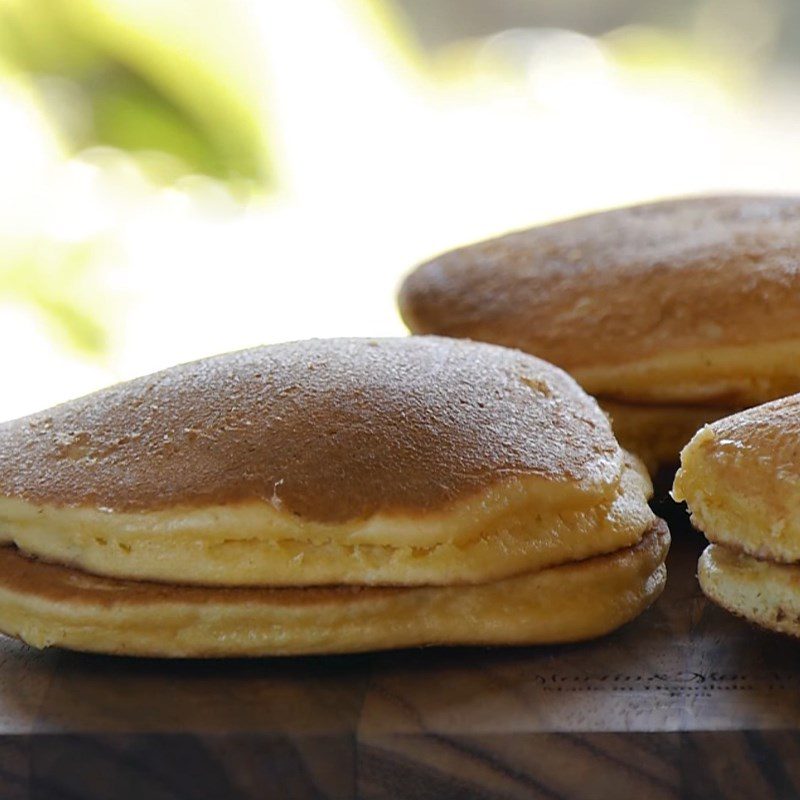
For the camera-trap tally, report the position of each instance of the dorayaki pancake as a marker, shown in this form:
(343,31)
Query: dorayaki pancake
(45,605)
(658,433)
(763,592)
(740,478)
(689,301)
(399,461)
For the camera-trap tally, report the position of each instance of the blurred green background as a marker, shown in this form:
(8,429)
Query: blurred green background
(188,176)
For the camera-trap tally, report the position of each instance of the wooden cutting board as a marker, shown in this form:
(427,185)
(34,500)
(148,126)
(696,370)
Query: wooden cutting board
(686,701)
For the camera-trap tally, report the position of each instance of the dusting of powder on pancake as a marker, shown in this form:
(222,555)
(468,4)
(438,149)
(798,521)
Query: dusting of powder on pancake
(623,284)
(330,430)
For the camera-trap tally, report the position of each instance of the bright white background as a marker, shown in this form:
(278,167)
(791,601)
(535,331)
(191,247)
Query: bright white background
(384,155)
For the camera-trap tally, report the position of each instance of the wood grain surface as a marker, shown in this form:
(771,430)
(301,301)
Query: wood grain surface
(685,702)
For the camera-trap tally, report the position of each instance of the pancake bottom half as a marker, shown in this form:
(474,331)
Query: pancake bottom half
(50,605)
(763,592)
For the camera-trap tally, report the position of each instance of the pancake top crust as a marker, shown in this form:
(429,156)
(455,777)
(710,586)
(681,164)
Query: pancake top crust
(622,285)
(328,430)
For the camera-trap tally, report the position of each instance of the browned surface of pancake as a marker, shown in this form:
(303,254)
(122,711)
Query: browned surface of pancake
(622,285)
(339,429)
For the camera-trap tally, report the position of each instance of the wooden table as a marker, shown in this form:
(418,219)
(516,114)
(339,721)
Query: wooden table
(686,701)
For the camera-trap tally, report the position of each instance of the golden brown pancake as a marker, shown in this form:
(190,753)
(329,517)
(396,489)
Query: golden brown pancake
(740,478)
(325,496)
(48,605)
(683,304)
(686,301)
(409,461)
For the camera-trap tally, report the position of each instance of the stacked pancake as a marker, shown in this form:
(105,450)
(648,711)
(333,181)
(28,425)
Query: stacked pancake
(672,314)
(325,496)
(740,478)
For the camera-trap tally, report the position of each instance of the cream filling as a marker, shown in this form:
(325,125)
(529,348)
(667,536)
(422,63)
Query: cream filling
(736,375)
(498,534)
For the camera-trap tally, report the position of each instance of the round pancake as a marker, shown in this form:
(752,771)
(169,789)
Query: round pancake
(48,605)
(400,461)
(658,433)
(740,478)
(760,591)
(683,301)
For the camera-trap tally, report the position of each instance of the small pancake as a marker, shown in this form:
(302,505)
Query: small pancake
(399,461)
(687,301)
(658,433)
(760,591)
(740,478)
(46,605)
